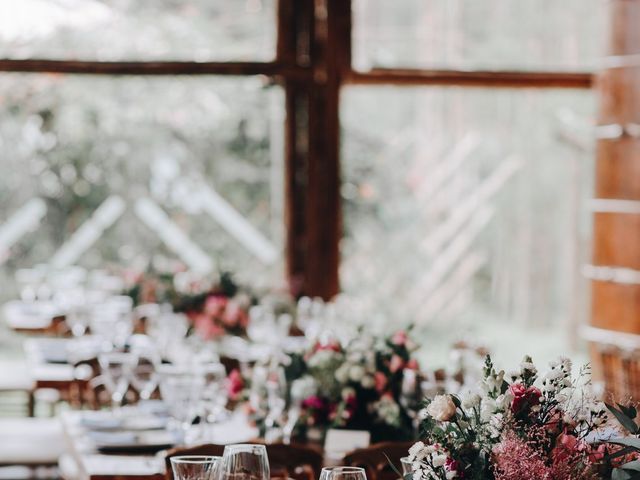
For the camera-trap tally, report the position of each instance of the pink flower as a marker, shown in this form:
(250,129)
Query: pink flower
(235,384)
(215,305)
(318,408)
(523,397)
(399,338)
(206,327)
(234,315)
(397,364)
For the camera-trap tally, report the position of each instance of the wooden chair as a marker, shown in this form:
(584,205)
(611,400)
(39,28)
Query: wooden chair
(374,459)
(294,461)
(616,362)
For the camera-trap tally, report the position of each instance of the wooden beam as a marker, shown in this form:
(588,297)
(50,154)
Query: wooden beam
(486,79)
(155,68)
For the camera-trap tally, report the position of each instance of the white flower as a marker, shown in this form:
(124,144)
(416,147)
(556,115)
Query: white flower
(471,400)
(304,387)
(356,372)
(487,408)
(368,381)
(342,373)
(451,474)
(442,408)
(439,459)
(347,392)
(504,400)
(418,451)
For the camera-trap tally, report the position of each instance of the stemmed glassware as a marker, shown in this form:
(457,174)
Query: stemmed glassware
(276,386)
(115,367)
(214,393)
(245,462)
(196,467)
(143,373)
(180,388)
(343,473)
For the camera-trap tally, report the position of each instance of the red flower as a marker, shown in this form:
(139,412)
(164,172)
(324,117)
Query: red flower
(523,397)
(452,465)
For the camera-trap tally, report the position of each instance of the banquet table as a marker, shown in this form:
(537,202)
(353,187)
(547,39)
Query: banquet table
(85,462)
(43,372)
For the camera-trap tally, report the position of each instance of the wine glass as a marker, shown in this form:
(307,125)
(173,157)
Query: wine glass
(195,467)
(143,374)
(214,394)
(245,462)
(180,390)
(343,473)
(115,367)
(276,386)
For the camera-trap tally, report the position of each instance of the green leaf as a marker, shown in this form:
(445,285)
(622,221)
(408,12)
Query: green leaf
(632,442)
(456,401)
(633,465)
(629,411)
(619,474)
(624,420)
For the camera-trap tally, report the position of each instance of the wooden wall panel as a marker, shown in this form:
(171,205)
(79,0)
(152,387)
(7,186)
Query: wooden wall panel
(615,306)
(616,303)
(617,240)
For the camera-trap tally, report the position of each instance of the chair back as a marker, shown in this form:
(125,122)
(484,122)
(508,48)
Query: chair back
(375,459)
(293,461)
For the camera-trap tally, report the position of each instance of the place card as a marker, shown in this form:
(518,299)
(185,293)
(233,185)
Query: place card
(340,442)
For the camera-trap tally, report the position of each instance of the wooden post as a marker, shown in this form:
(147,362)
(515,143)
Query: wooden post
(616,245)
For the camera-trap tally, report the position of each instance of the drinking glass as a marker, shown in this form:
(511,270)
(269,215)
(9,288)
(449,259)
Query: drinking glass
(214,394)
(115,367)
(143,374)
(195,467)
(180,388)
(245,462)
(343,473)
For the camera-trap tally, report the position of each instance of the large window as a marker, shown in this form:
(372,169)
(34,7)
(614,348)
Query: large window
(431,156)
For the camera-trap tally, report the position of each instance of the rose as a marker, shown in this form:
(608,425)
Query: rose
(523,397)
(442,408)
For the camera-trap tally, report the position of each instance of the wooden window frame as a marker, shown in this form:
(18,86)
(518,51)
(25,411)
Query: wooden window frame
(313,62)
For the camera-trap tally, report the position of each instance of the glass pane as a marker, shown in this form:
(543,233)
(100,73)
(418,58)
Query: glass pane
(125,171)
(464,211)
(485,34)
(200,30)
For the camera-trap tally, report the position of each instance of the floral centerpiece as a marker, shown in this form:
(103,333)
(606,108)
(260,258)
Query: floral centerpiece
(522,426)
(214,308)
(368,384)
